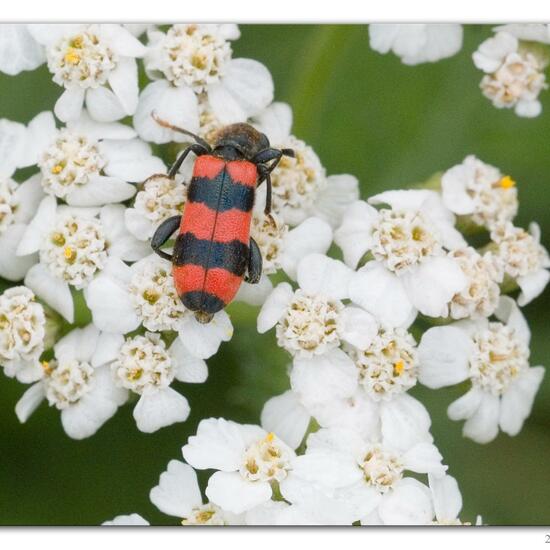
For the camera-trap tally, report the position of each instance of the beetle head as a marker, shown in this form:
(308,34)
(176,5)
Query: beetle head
(242,137)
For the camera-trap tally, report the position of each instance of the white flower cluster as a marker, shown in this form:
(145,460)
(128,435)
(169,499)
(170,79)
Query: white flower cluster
(77,232)
(514,60)
(99,317)
(348,443)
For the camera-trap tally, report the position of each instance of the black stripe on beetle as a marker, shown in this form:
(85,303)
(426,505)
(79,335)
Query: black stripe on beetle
(199,300)
(231,256)
(221,193)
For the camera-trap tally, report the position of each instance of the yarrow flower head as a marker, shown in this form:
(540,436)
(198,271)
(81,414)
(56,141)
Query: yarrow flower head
(88,163)
(74,245)
(521,257)
(514,74)
(389,365)
(479,190)
(410,269)
(494,356)
(248,458)
(480,296)
(96,64)
(313,320)
(22,332)
(161,198)
(370,474)
(197,77)
(78,382)
(147,367)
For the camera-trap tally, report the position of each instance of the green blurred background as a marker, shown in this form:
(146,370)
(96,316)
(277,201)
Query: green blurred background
(390,125)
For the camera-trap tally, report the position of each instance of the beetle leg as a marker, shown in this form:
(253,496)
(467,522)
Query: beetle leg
(196,148)
(264,173)
(254,263)
(164,231)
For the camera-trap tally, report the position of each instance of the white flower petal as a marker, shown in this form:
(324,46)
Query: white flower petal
(285,416)
(433,284)
(509,313)
(532,285)
(312,235)
(138,225)
(234,494)
(354,236)
(256,294)
(408,504)
(122,41)
(357,327)
(405,421)
(245,89)
(69,105)
(219,444)
(103,105)
(29,401)
(30,195)
(203,340)
(188,367)
(444,354)
(517,402)
(101,130)
(465,406)
(18,49)
(178,490)
(107,348)
(493,51)
(319,274)
(124,83)
(128,520)
(453,188)
(447,499)
(13,143)
(275,122)
(333,199)
(381,293)
(84,418)
(111,305)
(78,344)
(482,426)
(100,190)
(424,458)
(324,377)
(328,469)
(55,292)
(12,266)
(136,169)
(528,108)
(122,243)
(267,514)
(41,132)
(274,307)
(175,105)
(161,408)
(38,227)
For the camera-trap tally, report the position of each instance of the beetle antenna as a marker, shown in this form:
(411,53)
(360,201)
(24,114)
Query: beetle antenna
(166,124)
(288,152)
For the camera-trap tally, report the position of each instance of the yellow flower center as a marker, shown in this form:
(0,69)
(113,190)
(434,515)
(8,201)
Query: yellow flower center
(72,57)
(398,367)
(506,182)
(70,254)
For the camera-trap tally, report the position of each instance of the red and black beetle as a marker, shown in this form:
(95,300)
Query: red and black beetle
(213,251)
